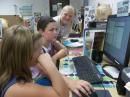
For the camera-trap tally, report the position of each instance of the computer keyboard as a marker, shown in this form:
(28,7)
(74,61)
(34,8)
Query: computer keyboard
(86,70)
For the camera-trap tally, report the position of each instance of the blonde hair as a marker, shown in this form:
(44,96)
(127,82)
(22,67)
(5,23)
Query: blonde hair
(67,8)
(15,55)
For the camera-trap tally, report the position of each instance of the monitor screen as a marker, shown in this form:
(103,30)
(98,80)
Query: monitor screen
(117,40)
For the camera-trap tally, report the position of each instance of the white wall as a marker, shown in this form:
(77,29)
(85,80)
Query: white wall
(76,3)
(7,6)
(113,4)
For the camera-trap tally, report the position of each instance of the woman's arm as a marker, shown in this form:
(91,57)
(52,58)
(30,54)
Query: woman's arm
(32,90)
(61,51)
(58,82)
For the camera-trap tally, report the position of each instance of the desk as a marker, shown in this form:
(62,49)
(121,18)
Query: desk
(112,90)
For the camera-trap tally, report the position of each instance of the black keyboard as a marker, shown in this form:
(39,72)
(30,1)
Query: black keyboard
(86,70)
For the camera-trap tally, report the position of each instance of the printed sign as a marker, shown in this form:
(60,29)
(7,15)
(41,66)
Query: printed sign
(123,8)
(0,29)
(26,10)
(89,15)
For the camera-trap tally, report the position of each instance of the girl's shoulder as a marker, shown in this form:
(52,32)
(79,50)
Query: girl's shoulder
(10,83)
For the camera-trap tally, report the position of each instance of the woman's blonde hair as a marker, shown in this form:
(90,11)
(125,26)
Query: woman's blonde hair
(15,55)
(67,8)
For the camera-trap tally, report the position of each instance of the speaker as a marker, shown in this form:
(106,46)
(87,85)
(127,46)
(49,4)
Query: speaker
(97,55)
(122,80)
(120,85)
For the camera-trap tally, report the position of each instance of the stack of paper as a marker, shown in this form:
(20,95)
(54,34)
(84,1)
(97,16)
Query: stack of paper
(127,86)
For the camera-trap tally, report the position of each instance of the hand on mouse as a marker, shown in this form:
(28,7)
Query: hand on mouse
(78,86)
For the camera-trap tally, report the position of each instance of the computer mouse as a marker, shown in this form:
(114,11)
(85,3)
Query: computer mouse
(83,95)
(93,94)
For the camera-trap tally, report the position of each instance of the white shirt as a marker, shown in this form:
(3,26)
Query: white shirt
(47,49)
(63,30)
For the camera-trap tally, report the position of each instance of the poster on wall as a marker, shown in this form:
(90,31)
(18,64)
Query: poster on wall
(89,15)
(0,29)
(29,22)
(123,8)
(37,15)
(26,10)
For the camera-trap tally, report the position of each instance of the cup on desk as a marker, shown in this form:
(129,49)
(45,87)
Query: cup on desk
(63,39)
(67,67)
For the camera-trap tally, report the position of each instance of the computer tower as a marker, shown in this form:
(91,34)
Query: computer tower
(120,85)
(122,80)
(97,53)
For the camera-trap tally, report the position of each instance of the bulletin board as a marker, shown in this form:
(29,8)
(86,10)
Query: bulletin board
(0,29)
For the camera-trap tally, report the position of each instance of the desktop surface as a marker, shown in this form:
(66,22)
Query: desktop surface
(111,71)
(111,89)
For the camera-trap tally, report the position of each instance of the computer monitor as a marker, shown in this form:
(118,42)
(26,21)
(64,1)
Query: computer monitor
(117,40)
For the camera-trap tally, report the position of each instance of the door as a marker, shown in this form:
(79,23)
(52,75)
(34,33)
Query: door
(54,7)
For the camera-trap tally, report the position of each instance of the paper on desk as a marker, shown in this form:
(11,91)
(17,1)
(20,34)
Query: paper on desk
(112,71)
(127,86)
(128,74)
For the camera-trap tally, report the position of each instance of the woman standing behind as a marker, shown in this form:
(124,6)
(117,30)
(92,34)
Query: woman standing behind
(64,21)
(16,57)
